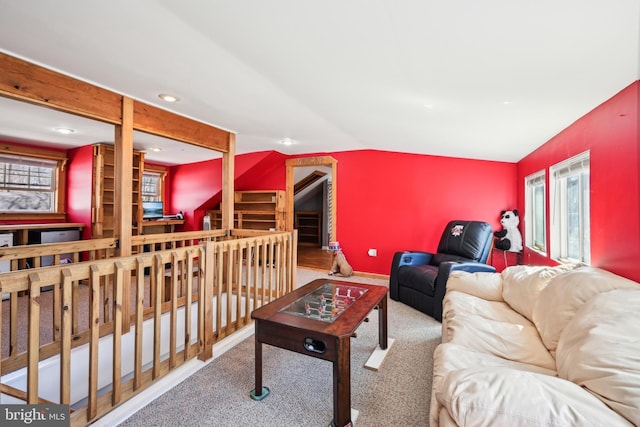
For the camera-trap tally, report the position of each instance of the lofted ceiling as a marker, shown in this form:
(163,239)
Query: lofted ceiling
(489,79)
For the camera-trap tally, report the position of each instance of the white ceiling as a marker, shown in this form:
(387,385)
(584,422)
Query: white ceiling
(490,79)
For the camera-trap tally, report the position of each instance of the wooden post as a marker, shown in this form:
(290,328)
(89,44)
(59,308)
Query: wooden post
(228,187)
(290,193)
(124,196)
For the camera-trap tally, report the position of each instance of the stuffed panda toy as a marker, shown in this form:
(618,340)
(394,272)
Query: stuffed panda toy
(509,238)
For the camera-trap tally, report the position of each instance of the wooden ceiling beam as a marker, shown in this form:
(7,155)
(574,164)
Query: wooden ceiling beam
(150,119)
(22,80)
(32,83)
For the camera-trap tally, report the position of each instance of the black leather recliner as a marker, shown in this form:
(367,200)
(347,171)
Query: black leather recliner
(419,279)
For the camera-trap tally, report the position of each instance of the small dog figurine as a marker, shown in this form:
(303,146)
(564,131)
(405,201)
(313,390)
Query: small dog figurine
(340,265)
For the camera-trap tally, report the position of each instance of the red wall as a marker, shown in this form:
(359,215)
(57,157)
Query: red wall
(610,132)
(80,187)
(396,201)
(195,187)
(190,186)
(386,200)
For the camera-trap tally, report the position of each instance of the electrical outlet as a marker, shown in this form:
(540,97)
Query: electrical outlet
(373,252)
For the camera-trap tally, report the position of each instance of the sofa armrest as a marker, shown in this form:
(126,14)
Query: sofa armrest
(444,271)
(401,259)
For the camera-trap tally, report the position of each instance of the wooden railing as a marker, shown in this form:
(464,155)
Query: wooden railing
(112,326)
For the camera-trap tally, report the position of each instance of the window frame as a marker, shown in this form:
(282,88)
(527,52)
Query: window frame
(161,173)
(560,174)
(31,154)
(533,182)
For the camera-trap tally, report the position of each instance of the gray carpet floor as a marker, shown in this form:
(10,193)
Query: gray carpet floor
(398,394)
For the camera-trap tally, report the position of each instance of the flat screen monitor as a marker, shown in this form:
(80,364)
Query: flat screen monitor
(152,210)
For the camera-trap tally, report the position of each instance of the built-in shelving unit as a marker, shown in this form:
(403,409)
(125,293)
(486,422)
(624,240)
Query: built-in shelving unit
(255,210)
(103,199)
(308,224)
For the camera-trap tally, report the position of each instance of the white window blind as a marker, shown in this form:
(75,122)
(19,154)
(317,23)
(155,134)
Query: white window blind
(18,173)
(27,184)
(570,209)
(151,187)
(535,213)
(574,166)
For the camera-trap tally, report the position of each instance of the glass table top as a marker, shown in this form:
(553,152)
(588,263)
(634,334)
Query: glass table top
(325,303)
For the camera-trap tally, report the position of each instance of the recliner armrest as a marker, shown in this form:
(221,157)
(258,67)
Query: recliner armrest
(414,258)
(443,275)
(401,259)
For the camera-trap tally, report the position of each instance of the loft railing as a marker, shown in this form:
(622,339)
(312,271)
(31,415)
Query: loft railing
(30,256)
(101,330)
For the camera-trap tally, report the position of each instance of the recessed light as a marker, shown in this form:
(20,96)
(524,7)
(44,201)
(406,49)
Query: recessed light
(507,102)
(65,131)
(168,98)
(287,141)
(155,149)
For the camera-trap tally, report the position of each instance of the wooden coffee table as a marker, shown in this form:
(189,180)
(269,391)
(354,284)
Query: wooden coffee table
(318,320)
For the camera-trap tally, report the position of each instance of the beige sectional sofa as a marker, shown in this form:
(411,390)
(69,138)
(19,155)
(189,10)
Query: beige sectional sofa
(538,346)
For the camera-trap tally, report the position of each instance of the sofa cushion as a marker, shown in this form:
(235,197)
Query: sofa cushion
(522,284)
(460,303)
(487,286)
(421,278)
(449,357)
(510,397)
(565,294)
(494,328)
(600,350)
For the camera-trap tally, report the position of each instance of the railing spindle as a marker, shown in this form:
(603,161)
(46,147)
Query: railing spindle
(67,320)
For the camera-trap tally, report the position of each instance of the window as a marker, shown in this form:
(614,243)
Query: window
(28,184)
(535,218)
(152,186)
(570,203)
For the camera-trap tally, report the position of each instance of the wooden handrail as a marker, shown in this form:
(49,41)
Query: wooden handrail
(23,252)
(30,251)
(177,236)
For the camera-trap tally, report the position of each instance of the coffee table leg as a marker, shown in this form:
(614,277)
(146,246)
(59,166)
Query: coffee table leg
(382,323)
(342,383)
(263,391)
